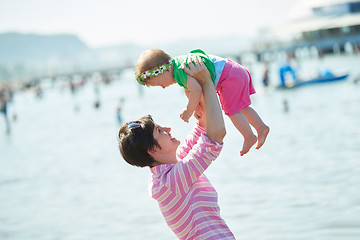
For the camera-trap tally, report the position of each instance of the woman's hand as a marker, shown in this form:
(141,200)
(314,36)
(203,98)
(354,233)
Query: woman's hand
(198,114)
(197,71)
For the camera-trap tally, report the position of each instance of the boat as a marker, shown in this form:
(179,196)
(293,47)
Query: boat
(323,76)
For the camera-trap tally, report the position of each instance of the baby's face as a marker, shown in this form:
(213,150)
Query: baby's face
(163,80)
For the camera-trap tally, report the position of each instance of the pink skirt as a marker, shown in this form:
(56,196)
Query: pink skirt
(234,88)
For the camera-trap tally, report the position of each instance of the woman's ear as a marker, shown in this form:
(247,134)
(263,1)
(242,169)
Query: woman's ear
(152,151)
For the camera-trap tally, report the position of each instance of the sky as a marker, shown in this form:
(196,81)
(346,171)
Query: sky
(112,22)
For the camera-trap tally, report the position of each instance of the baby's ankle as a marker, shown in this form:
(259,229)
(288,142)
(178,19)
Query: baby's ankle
(249,137)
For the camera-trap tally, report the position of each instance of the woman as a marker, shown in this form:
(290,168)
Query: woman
(185,196)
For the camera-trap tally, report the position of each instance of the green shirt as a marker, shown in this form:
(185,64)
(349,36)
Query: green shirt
(180,75)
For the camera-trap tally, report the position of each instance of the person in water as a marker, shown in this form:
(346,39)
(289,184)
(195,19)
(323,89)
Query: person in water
(185,196)
(4,97)
(232,81)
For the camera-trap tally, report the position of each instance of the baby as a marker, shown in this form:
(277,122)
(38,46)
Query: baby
(233,84)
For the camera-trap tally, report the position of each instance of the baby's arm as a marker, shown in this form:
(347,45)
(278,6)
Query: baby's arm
(194,95)
(200,109)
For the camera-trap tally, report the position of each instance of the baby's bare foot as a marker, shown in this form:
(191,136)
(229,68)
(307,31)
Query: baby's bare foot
(262,134)
(248,143)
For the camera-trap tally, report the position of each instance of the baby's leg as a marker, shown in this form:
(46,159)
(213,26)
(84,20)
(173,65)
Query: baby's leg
(241,123)
(255,120)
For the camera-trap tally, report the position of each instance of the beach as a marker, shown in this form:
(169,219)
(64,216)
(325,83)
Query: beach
(62,176)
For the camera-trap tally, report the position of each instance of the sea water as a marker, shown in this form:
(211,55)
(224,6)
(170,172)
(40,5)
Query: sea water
(62,177)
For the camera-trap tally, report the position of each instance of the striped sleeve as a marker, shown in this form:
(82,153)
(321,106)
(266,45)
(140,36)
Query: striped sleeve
(182,176)
(190,141)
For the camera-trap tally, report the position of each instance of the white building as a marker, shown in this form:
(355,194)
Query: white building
(320,26)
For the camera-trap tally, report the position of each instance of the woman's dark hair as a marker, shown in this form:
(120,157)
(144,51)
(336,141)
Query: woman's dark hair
(134,142)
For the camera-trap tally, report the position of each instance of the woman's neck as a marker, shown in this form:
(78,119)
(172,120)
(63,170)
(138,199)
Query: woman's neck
(165,159)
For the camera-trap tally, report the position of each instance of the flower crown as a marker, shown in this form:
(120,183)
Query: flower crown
(154,72)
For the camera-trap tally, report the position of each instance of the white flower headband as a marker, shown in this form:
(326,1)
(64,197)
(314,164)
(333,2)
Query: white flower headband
(154,72)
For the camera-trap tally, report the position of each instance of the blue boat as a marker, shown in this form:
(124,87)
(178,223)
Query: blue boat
(322,80)
(324,76)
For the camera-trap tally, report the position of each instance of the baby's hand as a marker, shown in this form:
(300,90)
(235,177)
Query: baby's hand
(185,115)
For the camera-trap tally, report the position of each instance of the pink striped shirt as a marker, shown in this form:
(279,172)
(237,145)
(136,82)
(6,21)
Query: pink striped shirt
(185,196)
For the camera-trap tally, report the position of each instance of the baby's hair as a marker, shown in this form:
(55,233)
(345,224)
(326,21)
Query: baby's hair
(149,59)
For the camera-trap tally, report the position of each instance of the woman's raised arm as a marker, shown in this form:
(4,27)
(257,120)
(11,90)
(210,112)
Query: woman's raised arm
(215,127)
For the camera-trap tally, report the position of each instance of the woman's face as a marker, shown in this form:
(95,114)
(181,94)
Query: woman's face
(167,143)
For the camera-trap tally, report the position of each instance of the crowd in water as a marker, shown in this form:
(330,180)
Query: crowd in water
(72,83)
(6,97)
(76,81)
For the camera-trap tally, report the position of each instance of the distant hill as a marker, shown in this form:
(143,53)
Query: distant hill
(27,48)
(223,46)
(26,55)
